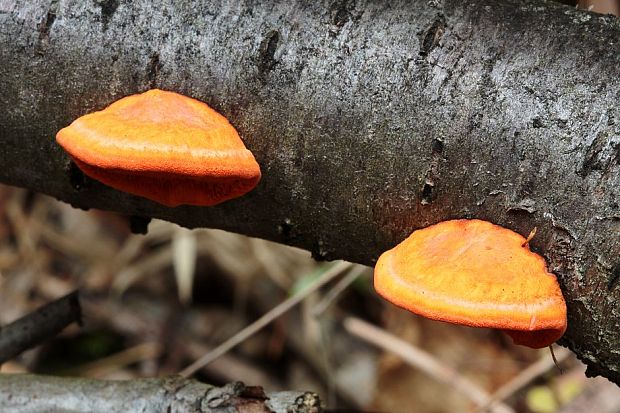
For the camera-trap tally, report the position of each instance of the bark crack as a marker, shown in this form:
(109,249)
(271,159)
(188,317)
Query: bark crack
(46,25)
(428,190)
(266,54)
(108,8)
(614,277)
(594,158)
(432,36)
(153,69)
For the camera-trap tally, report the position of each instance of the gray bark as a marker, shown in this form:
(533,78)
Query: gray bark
(369,119)
(29,393)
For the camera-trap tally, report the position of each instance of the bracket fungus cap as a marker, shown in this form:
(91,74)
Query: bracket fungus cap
(475,273)
(163,146)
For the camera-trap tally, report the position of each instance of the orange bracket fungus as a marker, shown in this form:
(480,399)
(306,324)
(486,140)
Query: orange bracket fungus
(475,273)
(163,146)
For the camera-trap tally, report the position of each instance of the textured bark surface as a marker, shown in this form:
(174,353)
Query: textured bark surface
(369,119)
(173,395)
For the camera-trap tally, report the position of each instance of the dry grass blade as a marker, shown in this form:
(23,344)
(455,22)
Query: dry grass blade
(524,378)
(421,360)
(184,255)
(271,315)
(108,365)
(340,286)
(153,263)
(266,258)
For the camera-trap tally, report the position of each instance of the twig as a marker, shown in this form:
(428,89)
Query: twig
(421,360)
(271,315)
(524,378)
(38,326)
(77,395)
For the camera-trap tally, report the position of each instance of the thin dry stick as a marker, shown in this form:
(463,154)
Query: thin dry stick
(524,378)
(271,315)
(421,360)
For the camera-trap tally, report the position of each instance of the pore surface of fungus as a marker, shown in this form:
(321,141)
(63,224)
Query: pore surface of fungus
(163,146)
(475,273)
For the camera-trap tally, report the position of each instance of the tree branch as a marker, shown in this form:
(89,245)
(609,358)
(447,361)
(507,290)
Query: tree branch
(66,394)
(369,119)
(41,324)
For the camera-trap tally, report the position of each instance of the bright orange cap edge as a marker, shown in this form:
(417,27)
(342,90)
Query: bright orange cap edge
(163,146)
(475,273)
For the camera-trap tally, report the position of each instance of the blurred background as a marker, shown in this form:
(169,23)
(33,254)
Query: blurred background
(155,303)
